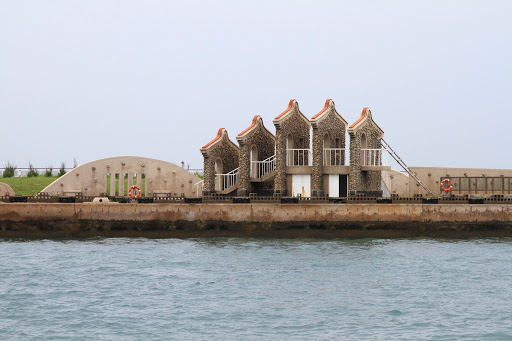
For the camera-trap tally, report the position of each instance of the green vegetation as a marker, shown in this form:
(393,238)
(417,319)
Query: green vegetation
(48,172)
(198,175)
(32,173)
(62,171)
(28,186)
(9,170)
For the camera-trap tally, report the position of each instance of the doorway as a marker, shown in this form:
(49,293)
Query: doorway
(343,186)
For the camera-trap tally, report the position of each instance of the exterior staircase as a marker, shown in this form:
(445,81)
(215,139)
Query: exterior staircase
(228,182)
(264,170)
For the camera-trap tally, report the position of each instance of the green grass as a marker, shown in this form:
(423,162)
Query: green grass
(31,186)
(28,186)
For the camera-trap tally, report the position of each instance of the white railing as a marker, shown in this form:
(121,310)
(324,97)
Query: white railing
(299,157)
(334,156)
(199,187)
(373,157)
(225,181)
(261,168)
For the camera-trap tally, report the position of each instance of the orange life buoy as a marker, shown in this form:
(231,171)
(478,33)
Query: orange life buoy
(444,188)
(131,194)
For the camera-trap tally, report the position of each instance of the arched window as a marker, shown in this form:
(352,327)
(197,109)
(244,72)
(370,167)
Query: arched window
(254,165)
(218,170)
(289,151)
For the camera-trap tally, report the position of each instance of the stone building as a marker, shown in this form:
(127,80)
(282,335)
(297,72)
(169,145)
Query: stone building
(293,154)
(330,174)
(366,155)
(257,158)
(221,157)
(286,165)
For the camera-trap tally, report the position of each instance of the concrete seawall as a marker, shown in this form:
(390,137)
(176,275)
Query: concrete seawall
(47,220)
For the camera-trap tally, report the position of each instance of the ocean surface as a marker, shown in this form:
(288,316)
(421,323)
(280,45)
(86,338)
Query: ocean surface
(256,289)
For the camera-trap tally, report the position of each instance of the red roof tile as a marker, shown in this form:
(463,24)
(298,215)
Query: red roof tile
(254,120)
(219,134)
(326,106)
(363,115)
(290,104)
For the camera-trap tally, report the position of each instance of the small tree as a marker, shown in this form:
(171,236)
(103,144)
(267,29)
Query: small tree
(9,170)
(74,163)
(31,171)
(62,169)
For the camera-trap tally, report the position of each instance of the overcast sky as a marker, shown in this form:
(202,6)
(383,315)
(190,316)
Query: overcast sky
(94,79)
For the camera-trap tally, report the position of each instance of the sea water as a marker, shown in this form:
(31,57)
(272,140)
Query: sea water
(256,289)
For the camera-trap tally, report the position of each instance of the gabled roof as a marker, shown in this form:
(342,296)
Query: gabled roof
(329,105)
(292,106)
(366,116)
(222,133)
(256,120)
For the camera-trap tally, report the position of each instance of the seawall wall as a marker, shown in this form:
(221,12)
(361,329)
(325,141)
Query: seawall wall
(49,220)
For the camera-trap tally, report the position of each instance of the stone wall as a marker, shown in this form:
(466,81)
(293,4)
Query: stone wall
(264,141)
(327,121)
(364,180)
(220,148)
(290,122)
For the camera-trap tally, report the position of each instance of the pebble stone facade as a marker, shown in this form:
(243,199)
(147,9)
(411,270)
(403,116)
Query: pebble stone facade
(327,125)
(256,135)
(326,122)
(359,180)
(289,122)
(223,149)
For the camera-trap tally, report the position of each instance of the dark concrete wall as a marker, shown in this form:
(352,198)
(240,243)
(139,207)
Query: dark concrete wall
(290,220)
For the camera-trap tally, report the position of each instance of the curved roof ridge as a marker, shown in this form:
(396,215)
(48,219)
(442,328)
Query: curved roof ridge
(326,106)
(363,115)
(219,135)
(290,105)
(253,124)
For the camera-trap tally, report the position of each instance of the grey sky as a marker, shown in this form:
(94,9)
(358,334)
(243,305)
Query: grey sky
(94,79)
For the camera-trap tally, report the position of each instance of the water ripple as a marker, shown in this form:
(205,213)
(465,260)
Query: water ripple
(255,289)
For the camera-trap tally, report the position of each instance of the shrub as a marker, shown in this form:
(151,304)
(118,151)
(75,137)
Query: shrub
(199,175)
(49,171)
(31,171)
(9,170)
(62,169)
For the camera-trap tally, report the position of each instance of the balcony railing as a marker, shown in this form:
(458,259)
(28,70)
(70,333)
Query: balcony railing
(373,157)
(225,181)
(260,168)
(334,156)
(299,157)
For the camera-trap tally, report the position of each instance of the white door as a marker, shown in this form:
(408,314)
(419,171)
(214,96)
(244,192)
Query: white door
(301,185)
(334,185)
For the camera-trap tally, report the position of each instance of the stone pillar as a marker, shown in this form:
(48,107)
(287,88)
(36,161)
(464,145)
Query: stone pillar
(379,173)
(316,178)
(355,164)
(244,171)
(280,180)
(209,175)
